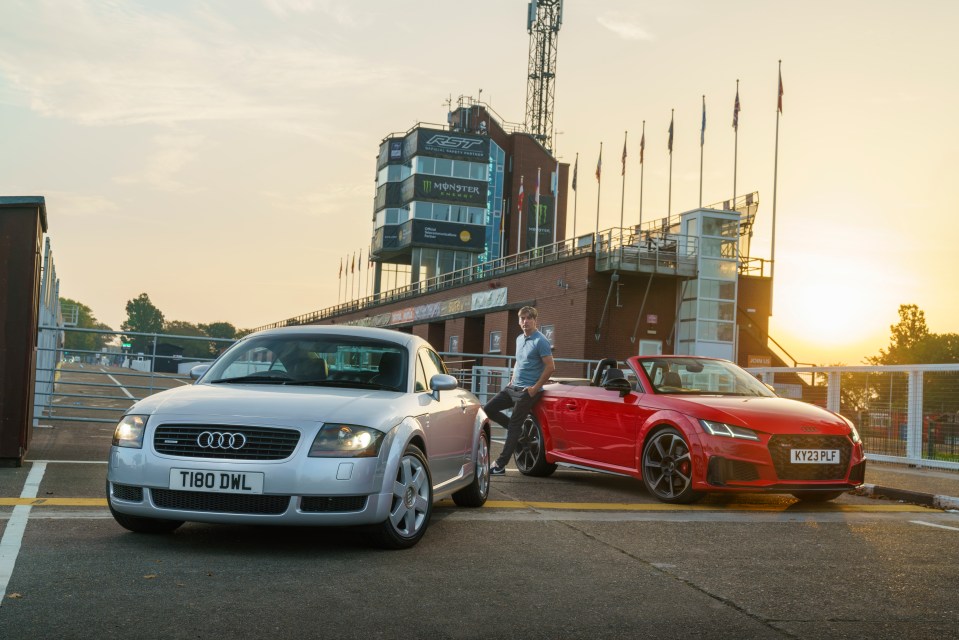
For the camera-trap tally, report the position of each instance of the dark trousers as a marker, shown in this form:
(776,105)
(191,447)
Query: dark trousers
(521,403)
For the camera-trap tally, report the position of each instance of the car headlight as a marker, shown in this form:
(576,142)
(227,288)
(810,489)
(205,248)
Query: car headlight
(728,430)
(346,441)
(129,432)
(853,432)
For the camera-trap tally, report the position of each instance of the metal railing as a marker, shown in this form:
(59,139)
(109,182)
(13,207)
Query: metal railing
(613,247)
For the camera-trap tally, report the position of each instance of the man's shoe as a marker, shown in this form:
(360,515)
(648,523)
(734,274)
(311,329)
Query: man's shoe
(495,470)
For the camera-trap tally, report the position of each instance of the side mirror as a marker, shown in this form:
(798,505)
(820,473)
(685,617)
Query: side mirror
(442,382)
(621,385)
(198,371)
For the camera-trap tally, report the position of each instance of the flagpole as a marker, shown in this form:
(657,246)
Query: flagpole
(599,186)
(622,198)
(575,192)
(519,223)
(642,170)
(669,200)
(555,201)
(736,143)
(536,209)
(772,252)
(702,144)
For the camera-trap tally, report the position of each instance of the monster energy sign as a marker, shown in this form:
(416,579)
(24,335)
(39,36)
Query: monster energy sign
(452,190)
(538,219)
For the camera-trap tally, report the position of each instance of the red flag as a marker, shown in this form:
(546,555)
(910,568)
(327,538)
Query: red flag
(780,91)
(736,111)
(521,196)
(599,164)
(353,264)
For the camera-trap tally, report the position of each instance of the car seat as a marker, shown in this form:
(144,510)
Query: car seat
(672,379)
(612,374)
(390,370)
(311,369)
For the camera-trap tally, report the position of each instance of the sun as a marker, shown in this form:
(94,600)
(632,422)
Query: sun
(831,316)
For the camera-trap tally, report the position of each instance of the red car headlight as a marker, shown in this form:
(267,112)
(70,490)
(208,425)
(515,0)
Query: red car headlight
(727,430)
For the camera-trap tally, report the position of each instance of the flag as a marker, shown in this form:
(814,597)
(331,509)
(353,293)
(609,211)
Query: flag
(575,171)
(670,134)
(624,157)
(702,132)
(642,146)
(736,111)
(537,189)
(353,264)
(780,91)
(341,269)
(521,196)
(360,261)
(599,164)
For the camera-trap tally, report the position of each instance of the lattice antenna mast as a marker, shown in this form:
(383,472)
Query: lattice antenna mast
(543,22)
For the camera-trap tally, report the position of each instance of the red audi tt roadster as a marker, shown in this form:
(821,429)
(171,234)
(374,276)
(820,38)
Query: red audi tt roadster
(687,426)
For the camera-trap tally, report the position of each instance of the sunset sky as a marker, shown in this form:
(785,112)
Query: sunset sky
(219,155)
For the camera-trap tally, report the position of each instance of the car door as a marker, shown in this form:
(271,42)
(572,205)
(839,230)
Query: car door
(449,427)
(607,427)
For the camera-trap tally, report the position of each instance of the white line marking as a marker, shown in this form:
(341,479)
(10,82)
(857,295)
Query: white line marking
(13,533)
(122,388)
(931,524)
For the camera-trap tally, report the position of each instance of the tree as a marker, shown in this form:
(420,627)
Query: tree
(142,317)
(79,340)
(905,338)
(219,330)
(192,349)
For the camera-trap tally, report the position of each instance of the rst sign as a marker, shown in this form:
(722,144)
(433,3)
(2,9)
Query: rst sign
(452,145)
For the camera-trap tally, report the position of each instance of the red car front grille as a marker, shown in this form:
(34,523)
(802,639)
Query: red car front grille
(781,445)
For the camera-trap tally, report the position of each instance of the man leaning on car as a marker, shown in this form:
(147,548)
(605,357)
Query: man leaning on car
(534,365)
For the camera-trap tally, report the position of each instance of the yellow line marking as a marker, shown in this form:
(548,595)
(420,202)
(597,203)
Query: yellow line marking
(53,502)
(562,506)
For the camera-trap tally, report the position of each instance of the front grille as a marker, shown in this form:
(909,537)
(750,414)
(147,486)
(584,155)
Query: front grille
(220,502)
(331,504)
(780,446)
(261,443)
(128,493)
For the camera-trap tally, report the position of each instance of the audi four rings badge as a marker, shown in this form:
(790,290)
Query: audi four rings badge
(218,440)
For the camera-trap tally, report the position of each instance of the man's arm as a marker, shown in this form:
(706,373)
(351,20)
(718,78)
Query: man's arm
(548,368)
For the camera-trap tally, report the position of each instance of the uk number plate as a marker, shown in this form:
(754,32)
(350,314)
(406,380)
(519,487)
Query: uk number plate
(814,456)
(216,481)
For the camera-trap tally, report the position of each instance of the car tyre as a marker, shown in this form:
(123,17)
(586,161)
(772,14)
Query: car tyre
(475,494)
(668,468)
(412,503)
(530,454)
(817,496)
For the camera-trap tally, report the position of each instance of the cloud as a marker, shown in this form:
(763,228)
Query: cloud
(624,28)
(174,152)
(123,64)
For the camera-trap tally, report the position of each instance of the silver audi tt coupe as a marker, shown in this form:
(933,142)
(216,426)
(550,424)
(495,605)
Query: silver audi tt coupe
(312,425)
